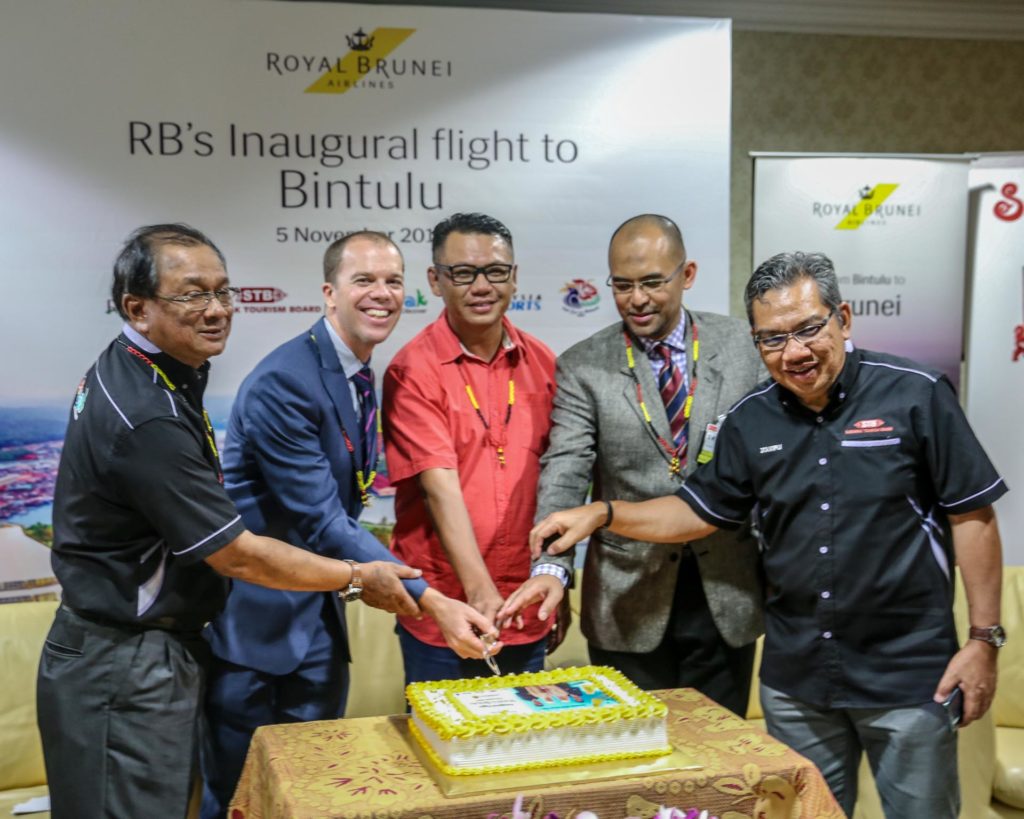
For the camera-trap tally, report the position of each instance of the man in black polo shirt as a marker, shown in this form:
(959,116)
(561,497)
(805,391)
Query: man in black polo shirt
(867,484)
(143,536)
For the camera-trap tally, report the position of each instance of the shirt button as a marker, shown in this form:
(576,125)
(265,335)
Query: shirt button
(825,507)
(822,461)
(827,635)
(825,595)
(842,395)
(819,419)
(823,549)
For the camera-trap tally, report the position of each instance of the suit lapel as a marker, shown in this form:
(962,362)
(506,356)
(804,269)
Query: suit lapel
(652,397)
(334,381)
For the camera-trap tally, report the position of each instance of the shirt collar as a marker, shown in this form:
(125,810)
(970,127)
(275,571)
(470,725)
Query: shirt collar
(676,339)
(139,340)
(450,348)
(177,371)
(350,364)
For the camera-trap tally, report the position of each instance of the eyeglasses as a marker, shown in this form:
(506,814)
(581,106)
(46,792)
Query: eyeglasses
(199,300)
(648,285)
(463,274)
(805,335)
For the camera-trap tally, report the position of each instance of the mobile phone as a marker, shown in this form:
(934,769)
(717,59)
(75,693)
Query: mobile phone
(952,708)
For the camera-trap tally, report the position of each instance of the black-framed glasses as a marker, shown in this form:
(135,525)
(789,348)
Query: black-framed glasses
(805,335)
(463,274)
(648,284)
(199,300)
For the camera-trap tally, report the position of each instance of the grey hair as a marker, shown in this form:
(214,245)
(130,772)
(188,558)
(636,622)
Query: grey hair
(784,269)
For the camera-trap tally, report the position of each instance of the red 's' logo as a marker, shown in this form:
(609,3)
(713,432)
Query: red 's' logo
(1011,209)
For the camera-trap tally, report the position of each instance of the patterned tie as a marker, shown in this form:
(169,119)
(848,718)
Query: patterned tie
(363,382)
(670,384)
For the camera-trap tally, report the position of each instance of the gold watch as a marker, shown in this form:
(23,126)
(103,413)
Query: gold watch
(354,590)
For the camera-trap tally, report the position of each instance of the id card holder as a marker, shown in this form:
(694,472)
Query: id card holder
(707,449)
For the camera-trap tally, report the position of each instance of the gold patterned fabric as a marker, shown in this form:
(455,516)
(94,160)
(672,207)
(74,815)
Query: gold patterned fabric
(366,768)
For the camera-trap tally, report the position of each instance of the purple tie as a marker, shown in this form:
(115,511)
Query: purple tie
(670,384)
(363,381)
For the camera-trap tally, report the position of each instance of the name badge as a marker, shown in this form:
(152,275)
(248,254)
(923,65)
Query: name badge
(707,449)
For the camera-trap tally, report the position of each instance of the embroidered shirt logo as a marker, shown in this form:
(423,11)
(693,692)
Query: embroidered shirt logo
(868,425)
(81,394)
(771,448)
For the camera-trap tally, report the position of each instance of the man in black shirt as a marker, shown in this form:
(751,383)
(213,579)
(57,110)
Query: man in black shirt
(144,535)
(867,484)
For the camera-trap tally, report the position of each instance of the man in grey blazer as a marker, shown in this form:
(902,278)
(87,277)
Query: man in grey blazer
(667,615)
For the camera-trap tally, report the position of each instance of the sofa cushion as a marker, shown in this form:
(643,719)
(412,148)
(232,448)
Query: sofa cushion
(23,627)
(1009,700)
(1009,774)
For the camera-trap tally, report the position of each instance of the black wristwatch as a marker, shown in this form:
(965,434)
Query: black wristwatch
(993,635)
(354,590)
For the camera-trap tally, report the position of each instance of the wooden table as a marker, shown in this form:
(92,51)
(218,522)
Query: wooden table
(365,768)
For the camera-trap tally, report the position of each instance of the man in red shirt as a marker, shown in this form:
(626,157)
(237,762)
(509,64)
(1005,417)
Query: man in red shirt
(466,414)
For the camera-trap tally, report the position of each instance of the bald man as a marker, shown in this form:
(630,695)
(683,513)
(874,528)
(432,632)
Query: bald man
(634,411)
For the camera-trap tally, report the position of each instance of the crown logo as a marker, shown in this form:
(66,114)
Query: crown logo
(359,41)
(865,192)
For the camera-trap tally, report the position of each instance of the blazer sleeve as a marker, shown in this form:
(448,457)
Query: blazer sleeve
(567,465)
(282,423)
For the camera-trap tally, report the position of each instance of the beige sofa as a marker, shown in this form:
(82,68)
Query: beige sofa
(991,758)
(23,627)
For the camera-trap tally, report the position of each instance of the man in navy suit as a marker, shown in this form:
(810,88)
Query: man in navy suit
(299,459)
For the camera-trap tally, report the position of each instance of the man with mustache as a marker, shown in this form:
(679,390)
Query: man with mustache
(868,483)
(145,537)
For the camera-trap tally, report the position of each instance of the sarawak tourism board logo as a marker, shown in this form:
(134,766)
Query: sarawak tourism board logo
(871,208)
(581,297)
(368,64)
(268,300)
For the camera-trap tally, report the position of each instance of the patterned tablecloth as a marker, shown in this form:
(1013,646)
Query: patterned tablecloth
(365,768)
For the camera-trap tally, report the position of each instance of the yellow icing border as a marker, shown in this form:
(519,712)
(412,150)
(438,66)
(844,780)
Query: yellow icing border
(588,759)
(646,706)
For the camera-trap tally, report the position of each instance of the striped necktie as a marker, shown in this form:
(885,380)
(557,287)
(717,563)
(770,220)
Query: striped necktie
(673,394)
(363,382)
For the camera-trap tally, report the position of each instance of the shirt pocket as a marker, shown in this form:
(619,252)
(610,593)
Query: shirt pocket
(535,420)
(874,443)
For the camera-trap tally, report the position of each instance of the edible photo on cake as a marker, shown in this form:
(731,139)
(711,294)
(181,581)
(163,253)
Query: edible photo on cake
(532,699)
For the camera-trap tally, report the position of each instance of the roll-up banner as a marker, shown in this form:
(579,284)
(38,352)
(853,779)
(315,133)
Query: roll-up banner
(278,127)
(895,227)
(995,337)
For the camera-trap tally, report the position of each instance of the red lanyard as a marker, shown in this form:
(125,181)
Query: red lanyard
(673,451)
(170,385)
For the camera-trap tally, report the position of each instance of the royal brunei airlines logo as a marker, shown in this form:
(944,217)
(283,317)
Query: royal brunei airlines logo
(871,199)
(369,64)
(871,208)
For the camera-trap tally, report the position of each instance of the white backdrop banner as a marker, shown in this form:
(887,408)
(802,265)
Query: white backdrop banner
(896,229)
(995,339)
(277,127)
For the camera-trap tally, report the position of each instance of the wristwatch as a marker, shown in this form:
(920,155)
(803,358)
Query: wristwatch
(354,590)
(993,635)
